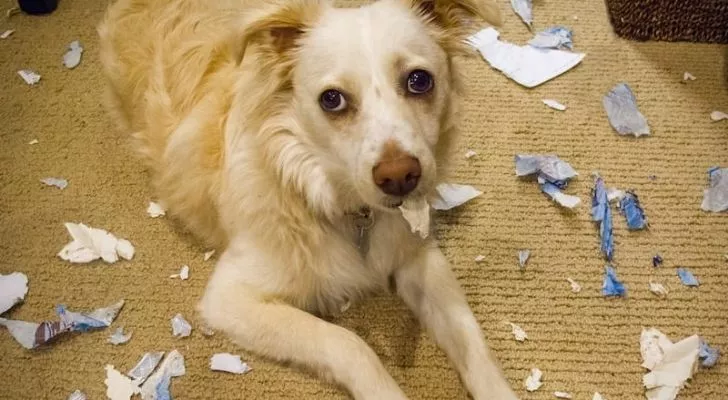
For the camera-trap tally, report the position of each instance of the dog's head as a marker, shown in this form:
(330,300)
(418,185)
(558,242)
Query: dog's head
(374,89)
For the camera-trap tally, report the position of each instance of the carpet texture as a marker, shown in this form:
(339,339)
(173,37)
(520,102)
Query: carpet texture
(582,342)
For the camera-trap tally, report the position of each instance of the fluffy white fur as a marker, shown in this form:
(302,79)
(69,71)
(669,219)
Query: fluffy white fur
(222,99)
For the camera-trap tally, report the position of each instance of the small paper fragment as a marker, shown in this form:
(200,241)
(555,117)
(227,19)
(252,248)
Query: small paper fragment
(686,277)
(90,244)
(563,199)
(184,273)
(451,195)
(575,287)
(29,76)
(157,385)
(657,260)
(602,214)
(145,367)
(614,194)
(34,141)
(118,386)
(555,37)
(715,197)
(208,255)
(518,333)
(658,289)
(632,210)
(548,167)
(180,326)
(533,381)
(622,112)
(470,154)
(523,256)
(6,34)
(417,214)
(708,355)
(227,362)
(687,76)
(554,104)
(523,8)
(13,288)
(77,395)
(562,395)
(118,337)
(598,396)
(479,258)
(60,183)
(73,56)
(612,286)
(156,210)
(718,116)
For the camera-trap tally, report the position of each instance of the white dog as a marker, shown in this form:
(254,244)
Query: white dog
(287,133)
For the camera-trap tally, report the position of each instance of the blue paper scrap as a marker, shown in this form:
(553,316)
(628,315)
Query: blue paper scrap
(708,355)
(657,260)
(555,37)
(632,211)
(687,278)
(602,214)
(612,286)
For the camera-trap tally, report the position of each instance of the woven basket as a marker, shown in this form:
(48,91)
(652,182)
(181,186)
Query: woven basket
(704,21)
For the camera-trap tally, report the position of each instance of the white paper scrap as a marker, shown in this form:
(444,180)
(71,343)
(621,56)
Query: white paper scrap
(524,10)
(77,395)
(157,385)
(34,141)
(90,244)
(527,65)
(118,386)
(623,113)
(451,195)
(597,396)
(180,326)
(518,333)
(208,255)
(29,76)
(13,288)
(523,256)
(73,56)
(417,214)
(533,381)
(718,116)
(470,154)
(227,362)
(687,76)
(554,104)
(658,289)
(671,365)
(60,183)
(479,258)
(156,210)
(562,395)
(118,337)
(614,194)
(145,367)
(184,273)
(575,287)
(6,34)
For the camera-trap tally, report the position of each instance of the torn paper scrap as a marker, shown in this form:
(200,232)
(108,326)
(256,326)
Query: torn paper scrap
(612,286)
(417,214)
(575,286)
(602,214)
(687,76)
(597,396)
(77,395)
(145,367)
(118,386)
(526,65)
(34,141)
(549,167)
(451,195)
(6,34)
(184,273)
(632,211)
(518,333)
(208,255)
(29,76)
(479,258)
(524,10)
(180,326)
(708,355)
(658,289)
(523,256)
(621,106)
(562,395)
(533,381)
(90,244)
(60,183)
(227,362)
(687,278)
(156,210)
(31,335)
(563,199)
(671,365)
(657,260)
(614,194)
(470,154)
(13,288)
(715,198)
(73,56)
(157,385)
(118,337)
(555,37)
(554,104)
(718,116)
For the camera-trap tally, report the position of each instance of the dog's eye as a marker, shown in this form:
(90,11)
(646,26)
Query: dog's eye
(419,82)
(332,100)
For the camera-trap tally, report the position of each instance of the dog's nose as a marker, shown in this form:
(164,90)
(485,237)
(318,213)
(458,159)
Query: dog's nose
(397,177)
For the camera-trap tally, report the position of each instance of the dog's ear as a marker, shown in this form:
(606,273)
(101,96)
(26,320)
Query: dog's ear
(454,20)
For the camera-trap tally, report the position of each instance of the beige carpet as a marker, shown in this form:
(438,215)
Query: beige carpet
(582,342)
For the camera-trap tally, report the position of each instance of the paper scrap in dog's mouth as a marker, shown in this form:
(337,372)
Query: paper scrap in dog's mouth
(527,65)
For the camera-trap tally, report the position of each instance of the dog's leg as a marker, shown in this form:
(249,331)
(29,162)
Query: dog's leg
(284,333)
(428,286)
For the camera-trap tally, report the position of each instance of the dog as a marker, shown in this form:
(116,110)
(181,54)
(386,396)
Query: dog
(288,134)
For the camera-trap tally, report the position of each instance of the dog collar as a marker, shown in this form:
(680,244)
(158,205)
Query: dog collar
(363,221)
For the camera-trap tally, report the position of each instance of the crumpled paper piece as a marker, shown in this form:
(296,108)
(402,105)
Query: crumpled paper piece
(671,365)
(553,175)
(715,198)
(118,337)
(90,244)
(227,362)
(533,381)
(470,154)
(554,104)
(687,278)
(479,258)
(31,335)
(612,286)
(523,8)
(77,395)
(518,333)
(575,286)
(687,76)
(184,273)
(60,183)
(602,214)
(73,56)
(526,65)
(523,256)
(624,116)
(417,214)
(156,210)
(118,386)
(157,385)
(451,195)
(180,326)
(718,116)
(632,210)
(555,37)
(658,289)
(708,355)
(146,365)
(29,76)
(13,288)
